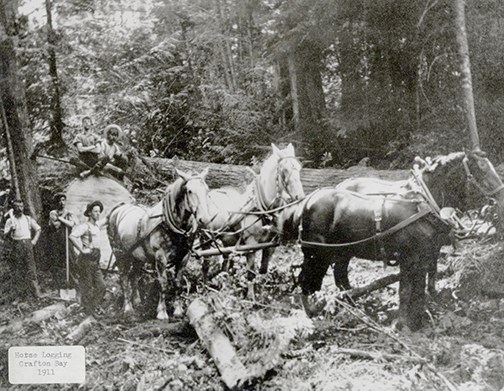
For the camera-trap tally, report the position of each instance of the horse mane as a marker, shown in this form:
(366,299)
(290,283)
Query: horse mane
(269,162)
(175,190)
(444,161)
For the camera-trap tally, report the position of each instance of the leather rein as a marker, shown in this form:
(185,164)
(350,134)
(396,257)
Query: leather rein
(429,199)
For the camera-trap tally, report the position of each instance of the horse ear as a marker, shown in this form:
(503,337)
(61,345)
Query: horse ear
(182,174)
(289,150)
(276,151)
(204,173)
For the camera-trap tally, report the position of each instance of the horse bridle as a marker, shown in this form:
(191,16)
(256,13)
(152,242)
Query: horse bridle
(168,212)
(280,183)
(473,180)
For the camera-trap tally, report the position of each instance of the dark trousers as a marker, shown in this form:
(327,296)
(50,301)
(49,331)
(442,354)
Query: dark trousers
(22,262)
(91,283)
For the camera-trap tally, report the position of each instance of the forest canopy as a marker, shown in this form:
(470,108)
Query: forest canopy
(219,80)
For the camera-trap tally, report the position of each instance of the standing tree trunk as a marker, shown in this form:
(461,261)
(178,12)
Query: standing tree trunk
(308,102)
(56,121)
(465,71)
(16,118)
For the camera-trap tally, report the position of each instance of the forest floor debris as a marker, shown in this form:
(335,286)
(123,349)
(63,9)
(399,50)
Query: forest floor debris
(278,344)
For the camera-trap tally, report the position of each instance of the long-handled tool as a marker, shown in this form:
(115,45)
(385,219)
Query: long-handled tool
(67,293)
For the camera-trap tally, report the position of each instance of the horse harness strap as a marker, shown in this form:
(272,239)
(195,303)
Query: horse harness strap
(380,235)
(378,214)
(169,219)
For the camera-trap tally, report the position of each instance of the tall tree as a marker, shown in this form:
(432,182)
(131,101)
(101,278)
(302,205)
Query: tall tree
(15,120)
(465,71)
(56,120)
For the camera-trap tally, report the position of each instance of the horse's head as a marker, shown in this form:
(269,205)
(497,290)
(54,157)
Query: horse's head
(481,172)
(448,176)
(194,192)
(445,179)
(288,174)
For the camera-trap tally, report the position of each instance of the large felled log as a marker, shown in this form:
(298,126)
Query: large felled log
(220,175)
(53,173)
(35,317)
(233,372)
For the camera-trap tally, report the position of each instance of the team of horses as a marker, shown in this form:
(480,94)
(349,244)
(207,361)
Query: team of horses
(368,218)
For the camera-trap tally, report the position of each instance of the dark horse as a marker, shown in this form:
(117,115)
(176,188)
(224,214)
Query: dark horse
(161,235)
(406,226)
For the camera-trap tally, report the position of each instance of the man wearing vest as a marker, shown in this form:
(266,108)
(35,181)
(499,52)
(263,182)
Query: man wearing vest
(86,239)
(18,228)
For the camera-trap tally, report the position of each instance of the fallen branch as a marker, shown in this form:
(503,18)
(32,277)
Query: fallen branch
(375,285)
(232,371)
(381,283)
(234,249)
(81,330)
(146,346)
(378,355)
(35,317)
(155,329)
(360,315)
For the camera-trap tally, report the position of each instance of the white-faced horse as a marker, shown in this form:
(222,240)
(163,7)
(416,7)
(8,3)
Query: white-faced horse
(239,217)
(161,235)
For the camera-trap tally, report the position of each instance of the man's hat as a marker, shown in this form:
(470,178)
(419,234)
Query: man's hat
(59,195)
(114,127)
(90,207)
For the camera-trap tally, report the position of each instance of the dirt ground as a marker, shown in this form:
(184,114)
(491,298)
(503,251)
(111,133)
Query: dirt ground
(461,349)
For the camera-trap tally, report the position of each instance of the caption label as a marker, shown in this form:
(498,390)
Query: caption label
(47,364)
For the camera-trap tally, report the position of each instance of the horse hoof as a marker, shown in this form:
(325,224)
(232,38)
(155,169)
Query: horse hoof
(162,316)
(400,325)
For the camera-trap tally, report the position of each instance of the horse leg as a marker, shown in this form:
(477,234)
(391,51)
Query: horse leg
(267,253)
(135,289)
(412,292)
(162,275)
(340,273)
(310,279)
(251,274)
(431,277)
(124,264)
(205,267)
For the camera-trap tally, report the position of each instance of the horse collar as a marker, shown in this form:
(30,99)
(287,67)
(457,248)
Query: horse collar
(169,218)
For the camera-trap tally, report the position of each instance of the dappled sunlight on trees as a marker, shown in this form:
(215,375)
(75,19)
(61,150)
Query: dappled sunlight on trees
(220,80)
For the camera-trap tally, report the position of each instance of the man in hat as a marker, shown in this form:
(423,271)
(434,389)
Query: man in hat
(61,222)
(112,158)
(18,229)
(86,240)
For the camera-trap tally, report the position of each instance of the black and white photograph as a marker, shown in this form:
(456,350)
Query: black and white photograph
(252,195)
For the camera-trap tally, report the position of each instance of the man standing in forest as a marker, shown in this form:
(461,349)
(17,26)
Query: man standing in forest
(86,239)
(88,148)
(61,221)
(18,232)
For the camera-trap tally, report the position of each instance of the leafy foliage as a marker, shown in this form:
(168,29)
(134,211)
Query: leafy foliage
(212,81)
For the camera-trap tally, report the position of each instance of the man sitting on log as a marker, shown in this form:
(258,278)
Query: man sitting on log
(97,155)
(112,158)
(88,146)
